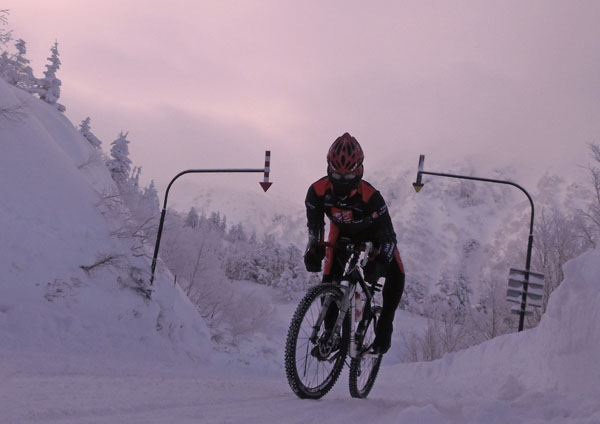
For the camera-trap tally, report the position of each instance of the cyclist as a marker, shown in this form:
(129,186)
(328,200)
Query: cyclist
(357,211)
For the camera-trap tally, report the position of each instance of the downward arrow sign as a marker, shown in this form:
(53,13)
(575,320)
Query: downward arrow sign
(266,184)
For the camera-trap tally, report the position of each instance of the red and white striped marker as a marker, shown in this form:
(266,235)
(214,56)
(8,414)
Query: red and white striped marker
(266,184)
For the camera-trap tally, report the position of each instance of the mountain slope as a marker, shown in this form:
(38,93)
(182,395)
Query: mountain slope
(55,221)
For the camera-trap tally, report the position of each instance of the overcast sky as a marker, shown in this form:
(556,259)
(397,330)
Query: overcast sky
(203,84)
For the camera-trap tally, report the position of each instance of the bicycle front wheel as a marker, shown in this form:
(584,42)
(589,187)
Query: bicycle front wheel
(364,368)
(313,358)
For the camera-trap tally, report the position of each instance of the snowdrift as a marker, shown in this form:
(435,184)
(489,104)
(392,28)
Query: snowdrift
(52,182)
(551,371)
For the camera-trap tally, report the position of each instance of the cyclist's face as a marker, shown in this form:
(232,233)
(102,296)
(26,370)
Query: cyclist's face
(343,187)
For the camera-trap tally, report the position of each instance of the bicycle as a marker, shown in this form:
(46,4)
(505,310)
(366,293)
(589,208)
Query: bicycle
(314,354)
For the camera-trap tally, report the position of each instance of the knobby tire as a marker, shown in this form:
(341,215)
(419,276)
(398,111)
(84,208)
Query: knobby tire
(299,361)
(364,369)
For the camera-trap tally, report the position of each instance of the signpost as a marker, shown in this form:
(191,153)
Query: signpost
(265,184)
(418,185)
(525,288)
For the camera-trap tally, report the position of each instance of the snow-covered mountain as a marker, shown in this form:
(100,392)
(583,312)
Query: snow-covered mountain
(449,229)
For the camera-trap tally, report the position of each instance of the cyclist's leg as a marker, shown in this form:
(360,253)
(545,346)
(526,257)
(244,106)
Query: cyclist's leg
(392,292)
(332,312)
(332,271)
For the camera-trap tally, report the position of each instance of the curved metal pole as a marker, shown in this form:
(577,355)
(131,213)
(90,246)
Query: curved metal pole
(418,185)
(164,209)
(489,180)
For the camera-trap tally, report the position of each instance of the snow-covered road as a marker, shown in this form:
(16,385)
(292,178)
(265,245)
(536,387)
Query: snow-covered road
(149,393)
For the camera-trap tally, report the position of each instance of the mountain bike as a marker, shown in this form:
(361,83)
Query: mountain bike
(332,321)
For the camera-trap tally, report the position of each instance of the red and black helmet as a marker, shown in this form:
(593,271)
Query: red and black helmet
(345,164)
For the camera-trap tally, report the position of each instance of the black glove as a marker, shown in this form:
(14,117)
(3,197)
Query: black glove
(378,265)
(313,256)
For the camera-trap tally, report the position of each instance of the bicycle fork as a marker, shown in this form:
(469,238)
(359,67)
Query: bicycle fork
(347,303)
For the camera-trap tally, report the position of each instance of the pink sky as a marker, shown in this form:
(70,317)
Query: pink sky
(213,84)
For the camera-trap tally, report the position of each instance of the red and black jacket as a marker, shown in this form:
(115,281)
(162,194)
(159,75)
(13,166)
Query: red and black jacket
(362,216)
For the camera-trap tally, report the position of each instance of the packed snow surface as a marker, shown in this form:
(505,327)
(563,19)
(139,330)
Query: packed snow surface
(84,347)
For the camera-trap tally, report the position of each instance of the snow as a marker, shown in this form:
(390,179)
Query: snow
(79,347)
(52,227)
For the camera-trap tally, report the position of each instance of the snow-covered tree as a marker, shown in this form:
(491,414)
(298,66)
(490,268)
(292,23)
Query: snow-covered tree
(24,73)
(49,87)
(119,163)
(191,220)
(150,198)
(590,215)
(237,234)
(135,177)
(5,35)
(15,69)
(85,130)
(219,222)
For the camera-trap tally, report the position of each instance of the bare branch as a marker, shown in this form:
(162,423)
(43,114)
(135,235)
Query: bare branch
(93,158)
(104,260)
(13,113)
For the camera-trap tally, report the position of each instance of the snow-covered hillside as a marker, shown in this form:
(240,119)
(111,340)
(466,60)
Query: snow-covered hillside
(451,228)
(52,184)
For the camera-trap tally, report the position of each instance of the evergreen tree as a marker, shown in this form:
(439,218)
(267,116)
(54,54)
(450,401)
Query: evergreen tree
(6,66)
(24,73)
(15,68)
(119,164)
(150,198)
(5,35)
(237,234)
(49,87)
(191,220)
(135,177)
(85,130)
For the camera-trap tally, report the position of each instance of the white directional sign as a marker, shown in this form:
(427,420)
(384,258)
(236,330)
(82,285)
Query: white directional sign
(534,292)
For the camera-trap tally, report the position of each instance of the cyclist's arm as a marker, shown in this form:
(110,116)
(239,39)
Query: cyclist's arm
(315,213)
(383,230)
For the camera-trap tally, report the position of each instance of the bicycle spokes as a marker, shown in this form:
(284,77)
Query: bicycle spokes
(314,356)
(364,368)
(315,353)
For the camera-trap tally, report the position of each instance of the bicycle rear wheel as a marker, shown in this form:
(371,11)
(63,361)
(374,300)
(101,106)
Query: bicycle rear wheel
(313,361)
(364,368)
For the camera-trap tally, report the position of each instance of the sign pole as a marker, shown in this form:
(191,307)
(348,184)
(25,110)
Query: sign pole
(418,185)
(264,184)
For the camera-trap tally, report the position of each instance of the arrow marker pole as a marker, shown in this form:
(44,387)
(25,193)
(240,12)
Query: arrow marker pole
(418,185)
(266,184)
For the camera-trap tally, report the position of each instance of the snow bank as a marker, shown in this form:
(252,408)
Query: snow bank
(51,182)
(551,371)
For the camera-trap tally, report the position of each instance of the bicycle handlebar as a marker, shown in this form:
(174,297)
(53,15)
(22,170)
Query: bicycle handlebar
(353,247)
(346,245)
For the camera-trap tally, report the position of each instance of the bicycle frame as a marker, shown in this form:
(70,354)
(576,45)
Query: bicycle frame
(351,278)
